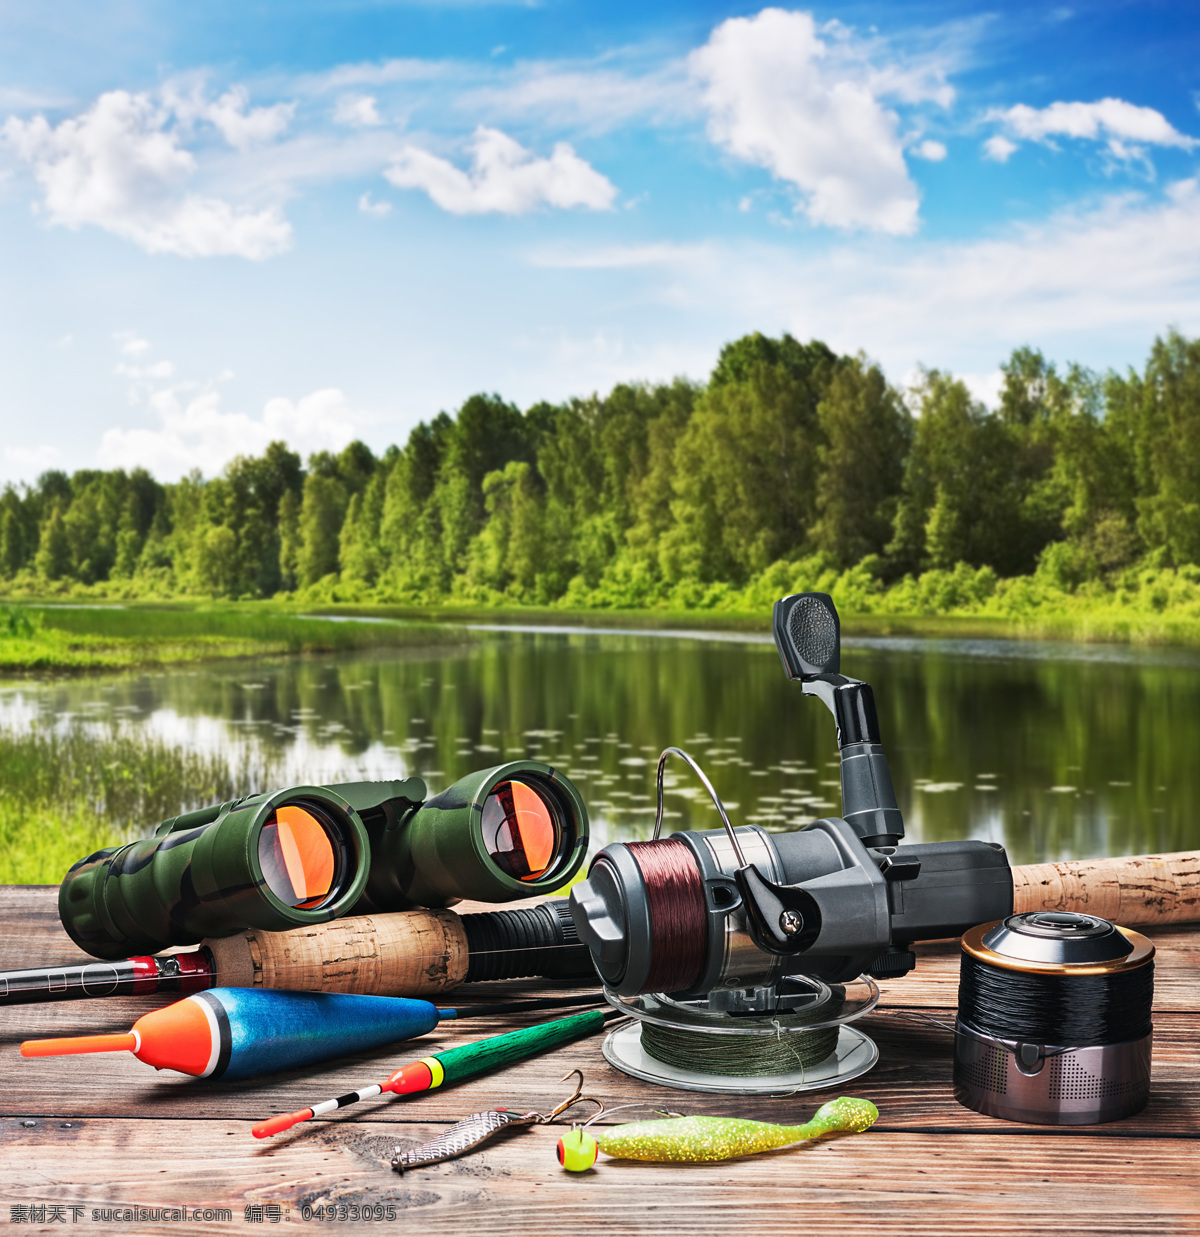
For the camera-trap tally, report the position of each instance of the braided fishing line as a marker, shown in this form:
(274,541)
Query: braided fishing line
(1054,1019)
(1080,1010)
(738,1056)
(756,1053)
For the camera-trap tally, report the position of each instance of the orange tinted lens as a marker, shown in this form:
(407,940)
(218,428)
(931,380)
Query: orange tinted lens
(520,830)
(297,857)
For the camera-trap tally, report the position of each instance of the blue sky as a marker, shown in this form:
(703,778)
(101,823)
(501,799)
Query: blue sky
(226,223)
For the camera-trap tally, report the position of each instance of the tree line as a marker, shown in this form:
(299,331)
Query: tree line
(677,494)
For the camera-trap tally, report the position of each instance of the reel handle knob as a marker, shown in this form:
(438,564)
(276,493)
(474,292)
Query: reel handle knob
(782,919)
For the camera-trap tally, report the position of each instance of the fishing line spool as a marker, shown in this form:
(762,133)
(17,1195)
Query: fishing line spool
(757,1041)
(1054,1019)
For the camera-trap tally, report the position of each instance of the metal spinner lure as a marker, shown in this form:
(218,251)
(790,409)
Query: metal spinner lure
(480,1127)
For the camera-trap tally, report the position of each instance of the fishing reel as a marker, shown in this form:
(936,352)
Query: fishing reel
(739,918)
(309,854)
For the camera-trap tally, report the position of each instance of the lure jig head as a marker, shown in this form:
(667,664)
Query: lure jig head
(480,1127)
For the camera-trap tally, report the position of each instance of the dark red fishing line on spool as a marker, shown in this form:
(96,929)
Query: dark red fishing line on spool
(678,927)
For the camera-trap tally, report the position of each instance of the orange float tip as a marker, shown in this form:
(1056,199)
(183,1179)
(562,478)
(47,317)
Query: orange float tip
(285,1121)
(415,1077)
(126,1041)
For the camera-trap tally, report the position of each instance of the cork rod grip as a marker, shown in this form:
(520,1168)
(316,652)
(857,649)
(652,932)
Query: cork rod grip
(1142,889)
(408,953)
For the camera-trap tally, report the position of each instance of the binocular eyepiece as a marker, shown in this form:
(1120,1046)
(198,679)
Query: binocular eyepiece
(309,854)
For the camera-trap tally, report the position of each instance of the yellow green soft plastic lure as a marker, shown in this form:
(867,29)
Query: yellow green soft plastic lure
(705,1140)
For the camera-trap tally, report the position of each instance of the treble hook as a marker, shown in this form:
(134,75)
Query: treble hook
(576,1097)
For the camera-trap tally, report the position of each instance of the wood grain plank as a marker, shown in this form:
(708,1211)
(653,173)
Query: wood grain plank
(106,1129)
(888,1183)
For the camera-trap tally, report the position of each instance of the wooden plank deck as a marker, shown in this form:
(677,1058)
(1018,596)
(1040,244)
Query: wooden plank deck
(104,1132)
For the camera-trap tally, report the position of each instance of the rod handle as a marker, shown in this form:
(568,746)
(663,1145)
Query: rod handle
(1139,889)
(69,1046)
(404,953)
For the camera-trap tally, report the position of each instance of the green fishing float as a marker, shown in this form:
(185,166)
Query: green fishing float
(707,1140)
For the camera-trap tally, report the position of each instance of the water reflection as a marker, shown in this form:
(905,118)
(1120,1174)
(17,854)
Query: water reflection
(1078,753)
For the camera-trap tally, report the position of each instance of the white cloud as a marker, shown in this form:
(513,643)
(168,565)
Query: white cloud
(358,111)
(374,73)
(145,373)
(369,206)
(935,152)
(505,178)
(1125,128)
(589,97)
(194,430)
(131,344)
(809,112)
(191,428)
(1128,267)
(119,167)
(241,125)
(322,419)
(986,388)
(999,148)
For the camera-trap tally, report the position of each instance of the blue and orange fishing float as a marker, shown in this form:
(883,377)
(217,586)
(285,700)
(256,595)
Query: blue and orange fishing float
(232,1033)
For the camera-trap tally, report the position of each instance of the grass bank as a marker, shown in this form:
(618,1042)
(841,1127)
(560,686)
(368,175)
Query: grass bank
(66,639)
(1153,607)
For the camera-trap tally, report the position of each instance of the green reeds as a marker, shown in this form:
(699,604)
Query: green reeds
(65,638)
(68,792)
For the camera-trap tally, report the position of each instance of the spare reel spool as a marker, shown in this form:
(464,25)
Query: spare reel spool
(1053,1020)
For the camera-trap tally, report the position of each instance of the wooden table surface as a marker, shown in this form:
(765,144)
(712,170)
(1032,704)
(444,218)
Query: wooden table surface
(105,1132)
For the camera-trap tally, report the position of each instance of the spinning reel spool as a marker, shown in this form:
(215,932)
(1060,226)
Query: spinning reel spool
(1054,1019)
(738,952)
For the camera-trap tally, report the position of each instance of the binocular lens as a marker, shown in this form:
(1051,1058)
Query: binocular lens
(521,830)
(298,857)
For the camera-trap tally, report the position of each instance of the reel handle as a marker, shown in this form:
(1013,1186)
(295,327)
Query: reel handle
(808,635)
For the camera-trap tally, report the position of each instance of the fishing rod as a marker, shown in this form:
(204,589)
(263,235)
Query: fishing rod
(232,1033)
(405,953)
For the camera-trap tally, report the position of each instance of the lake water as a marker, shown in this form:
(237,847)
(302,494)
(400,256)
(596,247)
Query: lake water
(1054,750)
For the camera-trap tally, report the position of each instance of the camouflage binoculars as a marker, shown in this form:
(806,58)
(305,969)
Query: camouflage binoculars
(309,854)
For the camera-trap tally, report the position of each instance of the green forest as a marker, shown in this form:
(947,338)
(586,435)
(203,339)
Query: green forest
(792,467)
